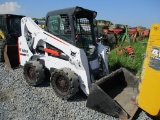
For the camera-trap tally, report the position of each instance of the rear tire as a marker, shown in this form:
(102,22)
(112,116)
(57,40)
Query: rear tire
(34,73)
(65,83)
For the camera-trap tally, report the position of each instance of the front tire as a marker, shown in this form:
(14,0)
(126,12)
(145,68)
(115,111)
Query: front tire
(65,83)
(34,73)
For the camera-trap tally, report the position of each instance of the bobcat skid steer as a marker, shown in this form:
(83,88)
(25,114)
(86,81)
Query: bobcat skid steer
(68,49)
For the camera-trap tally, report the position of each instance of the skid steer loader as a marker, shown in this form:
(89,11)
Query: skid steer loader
(68,49)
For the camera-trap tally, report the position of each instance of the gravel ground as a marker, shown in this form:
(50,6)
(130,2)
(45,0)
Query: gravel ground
(19,101)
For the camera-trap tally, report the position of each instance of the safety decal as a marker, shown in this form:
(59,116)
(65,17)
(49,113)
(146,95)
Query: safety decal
(155,58)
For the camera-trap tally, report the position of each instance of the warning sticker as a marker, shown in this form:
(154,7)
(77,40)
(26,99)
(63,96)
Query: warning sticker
(155,58)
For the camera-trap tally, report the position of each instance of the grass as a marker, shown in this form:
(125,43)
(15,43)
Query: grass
(135,63)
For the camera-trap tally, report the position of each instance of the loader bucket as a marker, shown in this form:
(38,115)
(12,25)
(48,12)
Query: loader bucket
(112,94)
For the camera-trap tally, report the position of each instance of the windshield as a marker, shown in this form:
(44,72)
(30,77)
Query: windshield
(59,26)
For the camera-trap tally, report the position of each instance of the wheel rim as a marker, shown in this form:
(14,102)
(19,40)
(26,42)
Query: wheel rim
(31,73)
(62,84)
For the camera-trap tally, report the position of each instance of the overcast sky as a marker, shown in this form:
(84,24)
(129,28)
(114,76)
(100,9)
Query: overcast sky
(130,12)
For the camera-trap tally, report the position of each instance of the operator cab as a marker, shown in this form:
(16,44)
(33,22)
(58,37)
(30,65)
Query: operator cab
(11,26)
(74,25)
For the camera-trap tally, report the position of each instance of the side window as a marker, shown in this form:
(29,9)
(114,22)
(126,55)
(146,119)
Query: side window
(59,26)
(83,31)
(82,26)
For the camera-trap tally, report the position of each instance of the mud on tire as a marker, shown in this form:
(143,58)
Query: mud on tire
(65,83)
(34,73)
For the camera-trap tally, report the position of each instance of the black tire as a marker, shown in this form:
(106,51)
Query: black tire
(65,83)
(34,73)
(2,46)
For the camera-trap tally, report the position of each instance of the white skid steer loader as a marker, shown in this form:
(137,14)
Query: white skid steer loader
(68,49)
(39,49)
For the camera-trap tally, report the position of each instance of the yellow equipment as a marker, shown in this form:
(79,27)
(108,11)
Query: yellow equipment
(2,35)
(149,88)
(2,45)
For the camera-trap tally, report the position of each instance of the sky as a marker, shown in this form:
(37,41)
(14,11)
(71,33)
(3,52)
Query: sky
(129,12)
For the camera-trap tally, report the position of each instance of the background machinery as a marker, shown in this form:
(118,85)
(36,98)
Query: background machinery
(10,30)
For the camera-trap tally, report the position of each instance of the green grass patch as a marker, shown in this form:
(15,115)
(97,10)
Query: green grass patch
(124,60)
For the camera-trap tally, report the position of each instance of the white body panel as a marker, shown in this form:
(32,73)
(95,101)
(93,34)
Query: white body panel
(94,64)
(103,51)
(25,53)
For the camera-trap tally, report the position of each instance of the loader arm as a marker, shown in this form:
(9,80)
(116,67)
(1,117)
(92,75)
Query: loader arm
(37,42)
